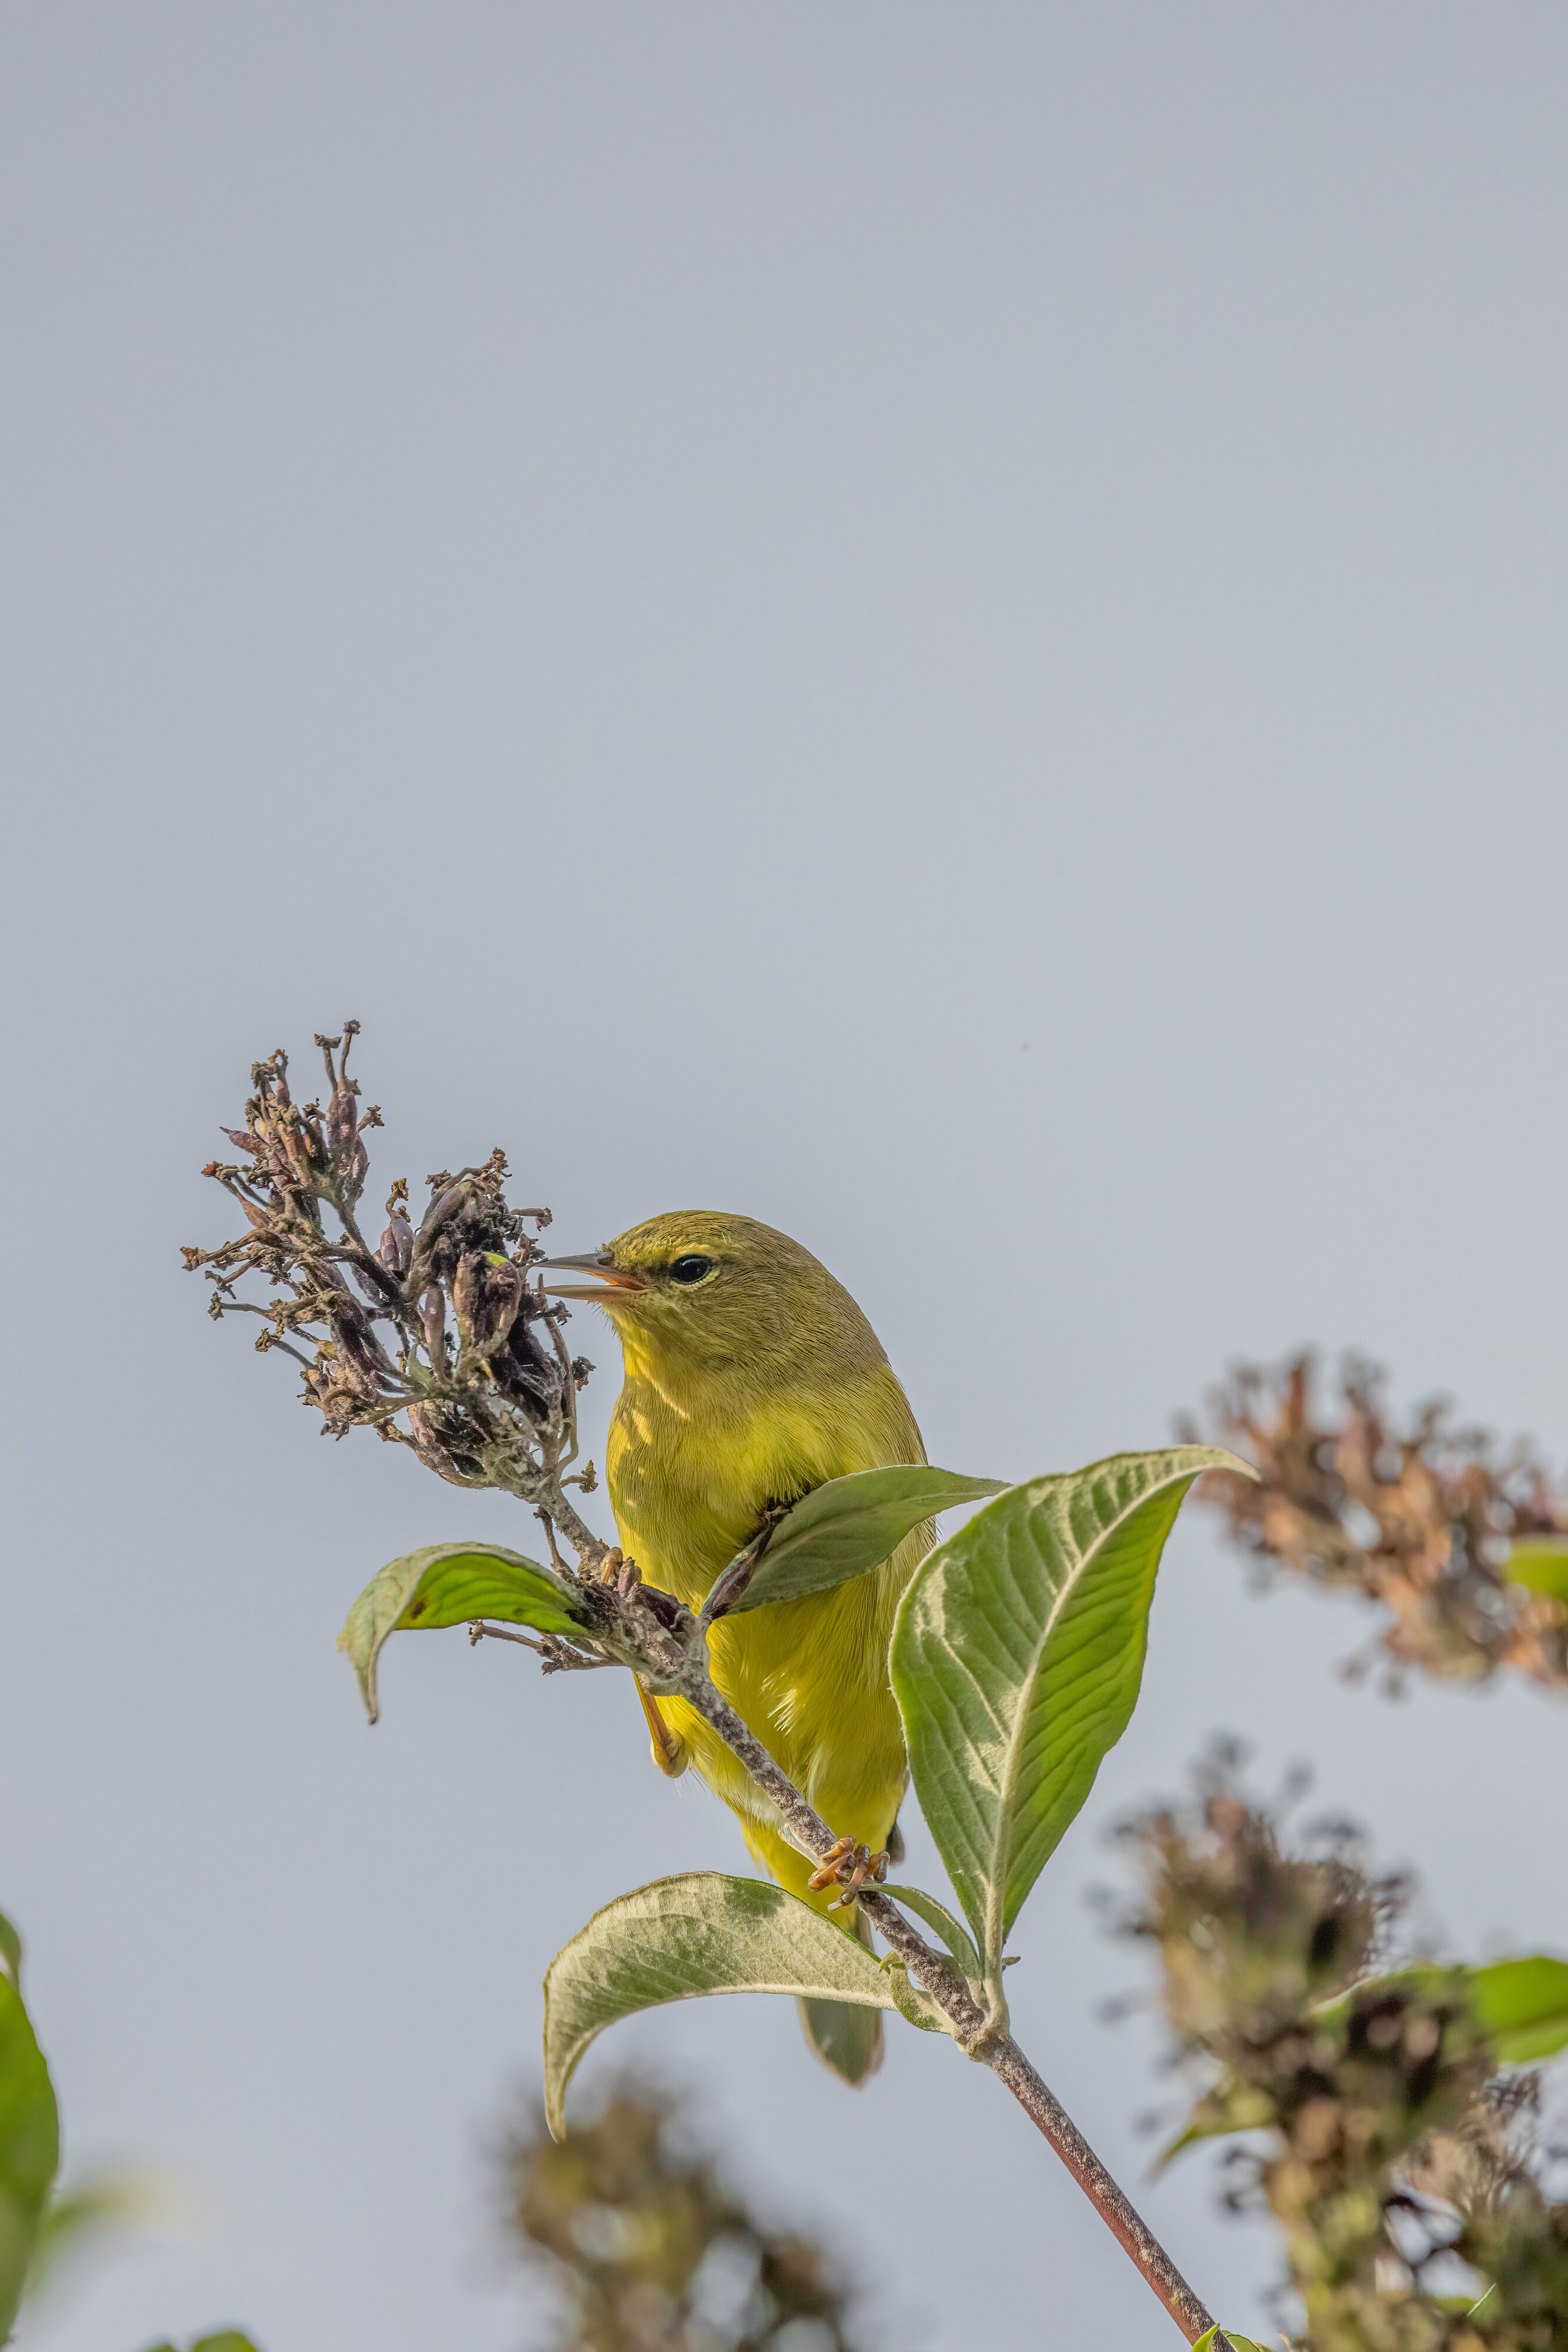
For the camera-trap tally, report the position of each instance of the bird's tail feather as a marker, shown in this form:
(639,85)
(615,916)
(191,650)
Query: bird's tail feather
(845,2037)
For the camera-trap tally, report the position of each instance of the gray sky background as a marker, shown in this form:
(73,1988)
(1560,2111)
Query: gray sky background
(942,625)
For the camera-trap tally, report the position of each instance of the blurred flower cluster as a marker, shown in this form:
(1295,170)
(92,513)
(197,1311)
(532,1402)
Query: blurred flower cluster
(650,2249)
(435,1337)
(1465,1548)
(1405,2171)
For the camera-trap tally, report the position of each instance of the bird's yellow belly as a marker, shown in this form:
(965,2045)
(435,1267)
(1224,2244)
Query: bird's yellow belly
(815,1691)
(810,1677)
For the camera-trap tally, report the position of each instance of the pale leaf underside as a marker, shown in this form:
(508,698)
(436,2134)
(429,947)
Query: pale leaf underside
(680,1938)
(1016,1658)
(451,1584)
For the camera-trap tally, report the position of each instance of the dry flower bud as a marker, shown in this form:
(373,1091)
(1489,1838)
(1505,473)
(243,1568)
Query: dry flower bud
(503,1412)
(466,1285)
(396,1251)
(503,1290)
(442,1209)
(1380,2136)
(342,1121)
(1421,1518)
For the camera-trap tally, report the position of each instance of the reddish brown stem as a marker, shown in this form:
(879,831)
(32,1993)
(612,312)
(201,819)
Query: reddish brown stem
(972,2029)
(1121,2217)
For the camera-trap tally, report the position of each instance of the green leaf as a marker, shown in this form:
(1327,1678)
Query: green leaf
(698,1933)
(450,1584)
(1521,2007)
(1017,1654)
(29,2146)
(960,1951)
(1540,1563)
(227,2339)
(10,1951)
(1211,2336)
(911,2000)
(78,2217)
(849,1526)
(1230,2106)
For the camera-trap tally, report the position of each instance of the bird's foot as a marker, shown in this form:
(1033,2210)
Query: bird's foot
(670,1753)
(849,1864)
(620,1571)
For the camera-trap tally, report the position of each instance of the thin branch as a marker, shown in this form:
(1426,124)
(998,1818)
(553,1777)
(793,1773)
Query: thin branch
(559,1655)
(974,2029)
(661,1640)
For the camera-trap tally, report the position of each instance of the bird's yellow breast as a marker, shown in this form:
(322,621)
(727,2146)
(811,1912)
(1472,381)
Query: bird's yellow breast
(689,1486)
(692,1466)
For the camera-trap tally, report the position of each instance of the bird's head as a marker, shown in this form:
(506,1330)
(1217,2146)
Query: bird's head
(697,1290)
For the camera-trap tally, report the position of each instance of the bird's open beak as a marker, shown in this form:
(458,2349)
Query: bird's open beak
(611,1277)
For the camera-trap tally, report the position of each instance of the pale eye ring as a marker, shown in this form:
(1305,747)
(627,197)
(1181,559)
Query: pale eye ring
(691,1267)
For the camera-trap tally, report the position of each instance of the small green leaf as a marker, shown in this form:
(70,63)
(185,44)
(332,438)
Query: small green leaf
(80,2216)
(852,1525)
(1210,2338)
(227,2339)
(29,2146)
(960,1951)
(1521,2007)
(1017,1655)
(911,2000)
(450,1584)
(10,1951)
(697,1933)
(1540,1563)
(1230,2105)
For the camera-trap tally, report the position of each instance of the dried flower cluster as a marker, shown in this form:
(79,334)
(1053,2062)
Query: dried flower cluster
(436,1337)
(1403,2170)
(652,2250)
(1425,1519)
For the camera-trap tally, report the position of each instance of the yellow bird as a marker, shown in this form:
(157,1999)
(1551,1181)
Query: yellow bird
(751,1377)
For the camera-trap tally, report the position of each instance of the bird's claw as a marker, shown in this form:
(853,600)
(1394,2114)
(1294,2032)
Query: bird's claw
(620,1571)
(847,1864)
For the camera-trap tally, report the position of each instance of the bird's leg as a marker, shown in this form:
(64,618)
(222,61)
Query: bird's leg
(671,1755)
(849,1864)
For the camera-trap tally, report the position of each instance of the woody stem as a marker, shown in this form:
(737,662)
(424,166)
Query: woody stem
(973,2028)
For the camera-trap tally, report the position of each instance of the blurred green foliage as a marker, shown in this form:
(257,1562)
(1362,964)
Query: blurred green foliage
(1461,1543)
(227,2339)
(650,2247)
(41,2225)
(1404,2166)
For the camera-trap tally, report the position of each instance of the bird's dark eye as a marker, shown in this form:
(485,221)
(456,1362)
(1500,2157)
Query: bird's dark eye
(690,1269)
